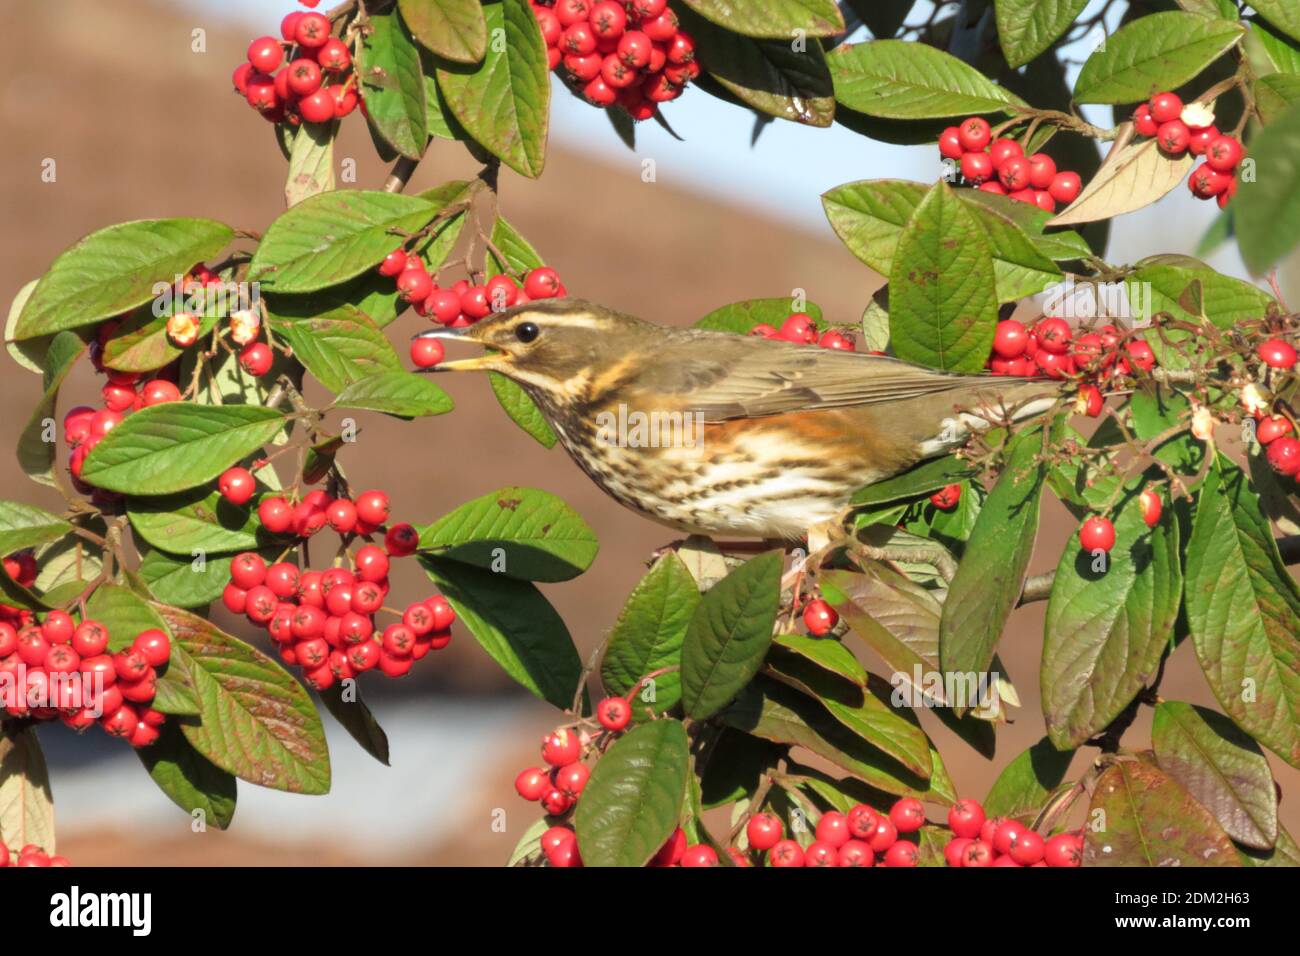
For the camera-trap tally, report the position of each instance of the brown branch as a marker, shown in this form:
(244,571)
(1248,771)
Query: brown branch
(400,175)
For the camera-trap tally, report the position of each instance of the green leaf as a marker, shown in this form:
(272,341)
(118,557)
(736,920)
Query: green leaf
(355,717)
(736,767)
(504,102)
(649,632)
(1285,853)
(773,20)
(392,77)
(1153,53)
(255,720)
(340,347)
(1275,94)
(1281,13)
(1221,767)
(334,236)
(515,624)
(741,317)
(26,526)
(311,162)
(189,779)
(729,634)
(1151,821)
(523,411)
(828,653)
(116,269)
(522,533)
(141,344)
(198,520)
(454,29)
(520,256)
(870,216)
(176,446)
(1027,28)
(992,571)
(774,712)
(1266,209)
(403,394)
(633,801)
(861,710)
(36,445)
(942,293)
(768,75)
(124,613)
(31,353)
(26,803)
(1243,611)
(177,581)
(1191,294)
(1025,784)
(1106,631)
(898,79)
(1278,52)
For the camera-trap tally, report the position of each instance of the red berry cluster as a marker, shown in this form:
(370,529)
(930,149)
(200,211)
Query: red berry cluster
(802,330)
(324,621)
(315,85)
(1050,348)
(1273,431)
(861,837)
(978,841)
(30,855)
(461,303)
(633,54)
(61,669)
(1001,166)
(1179,129)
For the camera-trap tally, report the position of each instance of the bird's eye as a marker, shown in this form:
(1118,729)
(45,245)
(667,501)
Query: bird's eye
(526,331)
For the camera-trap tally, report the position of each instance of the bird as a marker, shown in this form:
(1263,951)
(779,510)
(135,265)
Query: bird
(718,434)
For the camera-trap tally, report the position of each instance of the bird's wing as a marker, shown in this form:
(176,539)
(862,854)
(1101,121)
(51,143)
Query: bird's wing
(765,377)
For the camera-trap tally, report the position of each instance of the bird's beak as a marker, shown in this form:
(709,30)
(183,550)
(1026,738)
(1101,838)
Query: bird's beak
(488,362)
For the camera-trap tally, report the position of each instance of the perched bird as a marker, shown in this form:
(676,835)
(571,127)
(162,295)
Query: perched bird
(722,434)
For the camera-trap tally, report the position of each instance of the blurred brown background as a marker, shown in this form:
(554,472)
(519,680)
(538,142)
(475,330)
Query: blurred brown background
(140,126)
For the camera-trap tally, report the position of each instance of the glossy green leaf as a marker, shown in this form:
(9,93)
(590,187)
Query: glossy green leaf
(927,477)
(1151,821)
(515,624)
(942,291)
(1266,210)
(340,348)
(523,411)
(775,19)
(897,79)
(311,162)
(1243,611)
(185,582)
(176,446)
(26,526)
(741,317)
(355,717)
(454,29)
(1283,14)
(992,571)
(116,269)
(393,86)
(828,653)
(1027,28)
(504,102)
(334,236)
(124,613)
(189,779)
(1221,767)
(198,520)
(1024,785)
(1154,53)
(633,800)
(37,444)
(649,632)
(1107,630)
(255,720)
(729,634)
(521,533)
(403,394)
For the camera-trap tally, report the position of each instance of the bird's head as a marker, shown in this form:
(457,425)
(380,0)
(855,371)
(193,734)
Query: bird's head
(549,344)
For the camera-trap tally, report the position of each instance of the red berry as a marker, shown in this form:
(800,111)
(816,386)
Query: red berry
(265,54)
(786,853)
(1152,506)
(833,829)
(401,540)
(121,722)
(977,853)
(1063,849)
(414,284)
(572,11)
(1096,534)
(661,28)
(159,391)
(1283,455)
(799,328)
(1001,150)
(334,56)
(1223,153)
(393,263)
(1165,107)
(312,31)
(282,579)
(907,815)
(154,646)
(966,818)
(1027,848)
(614,713)
(950,143)
(372,507)
(1014,173)
(1174,137)
(237,485)
(862,821)
(1266,431)
(976,167)
(1065,187)
(1144,122)
(1140,355)
(247,570)
(90,639)
(974,134)
(819,617)
(763,831)
(946,498)
(1090,400)
(304,77)
(256,359)
(320,106)
(1054,335)
(1201,140)
(58,627)
(371,563)
(1206,183)
(700,855)
(884,836)
(902,853)
(1276,353)
(1010,339)
(561,747)
(532,783)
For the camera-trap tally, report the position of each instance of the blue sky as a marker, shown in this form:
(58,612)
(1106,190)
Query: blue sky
(791,165)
